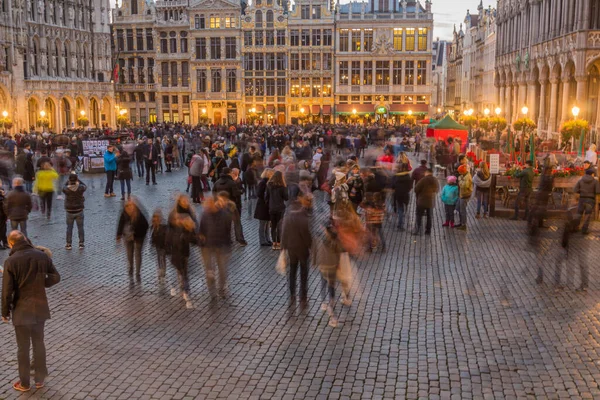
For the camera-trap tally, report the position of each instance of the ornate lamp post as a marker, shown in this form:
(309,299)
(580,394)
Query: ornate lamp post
(575,110)
(5,120)
(498,110)
(524,111)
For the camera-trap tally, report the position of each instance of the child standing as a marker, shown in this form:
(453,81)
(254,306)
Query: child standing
(450,198)
(45,182)
(374,216)
(327,257)
(159,241)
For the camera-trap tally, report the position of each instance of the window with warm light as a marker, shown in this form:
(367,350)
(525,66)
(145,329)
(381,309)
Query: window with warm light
(410,39)
(294,87)
(356,40)
(422,39)
(343,66)
(367,40)
(215,22)
(398,39)
(421,73)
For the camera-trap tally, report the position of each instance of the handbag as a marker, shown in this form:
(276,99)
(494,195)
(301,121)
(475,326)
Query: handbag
(212,173)
(281,266)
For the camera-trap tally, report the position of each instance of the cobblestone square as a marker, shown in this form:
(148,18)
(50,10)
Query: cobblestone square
(453,315)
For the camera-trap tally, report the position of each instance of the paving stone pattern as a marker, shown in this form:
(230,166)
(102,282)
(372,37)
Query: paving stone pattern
(453,316)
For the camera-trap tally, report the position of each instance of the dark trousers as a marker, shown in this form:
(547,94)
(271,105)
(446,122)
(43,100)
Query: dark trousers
(420,212)
(275,221)
(123,183)
(46,202)
(161,261)
(140,167)
(3,231)
(134,246)
(585,206)
(31,335)
(294,261)
(523,194)
(110,180)
(449,211)
(150,168)
(196,188)
(182,274)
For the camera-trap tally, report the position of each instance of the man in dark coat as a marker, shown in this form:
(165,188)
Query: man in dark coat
(419,172)
(225,183)
(151,155)
(426,191)
(138,153)
(27,274)
(74,205)
(18,206)
(297,240)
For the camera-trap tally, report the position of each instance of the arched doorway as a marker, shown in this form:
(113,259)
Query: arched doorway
(50,109)
(33,112)
(107,109)
(67,116)
(94,113)
(593,94)
(217,119)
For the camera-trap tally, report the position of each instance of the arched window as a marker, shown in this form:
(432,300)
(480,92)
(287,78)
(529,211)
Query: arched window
(269,17)
(79,61)
(197,22)
(216,80)
(57,58)
(258,2)
(35,59)
(173,42)
(134,7)
(85,63)
(258,18)
(66,60)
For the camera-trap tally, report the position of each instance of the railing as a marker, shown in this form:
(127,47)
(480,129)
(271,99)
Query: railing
(382,89)
(171,3)
(383,16)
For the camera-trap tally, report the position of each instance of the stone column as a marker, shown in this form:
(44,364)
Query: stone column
(222,42)
(542,105)
(502,97)
(566,110)
(531,99)
(585,17)
(581,97)
(508,103)
(554,81)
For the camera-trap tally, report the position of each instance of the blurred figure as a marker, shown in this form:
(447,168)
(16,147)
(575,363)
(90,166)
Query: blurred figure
(450,200)
(542,196)
(587,188)
(29,172)
(18,206)
(223,201)
(261,211)
(215,243)
(374,216)
(159,242)
(403,184)
(3,219)
(27,273)
(465,190)
(133,227)
(525,188)
(74,205)
(482,181)
(110,166)
(125,175)
(297,240)
(45,182)
(327,258)
(182,234)
(275,198)
(139,158)
(425,191)
(591,155)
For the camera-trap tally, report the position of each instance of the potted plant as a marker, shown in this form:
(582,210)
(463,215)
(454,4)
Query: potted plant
(83,121)
(573,129)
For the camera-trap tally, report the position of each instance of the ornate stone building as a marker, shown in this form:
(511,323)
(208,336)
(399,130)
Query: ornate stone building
(265,62)
(55,57)
(311,50)
(548,58)
(471,63)
(383,59)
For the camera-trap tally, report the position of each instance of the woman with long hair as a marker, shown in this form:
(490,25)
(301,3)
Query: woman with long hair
(261,211)
(275,197)
(482,181)
(274,157)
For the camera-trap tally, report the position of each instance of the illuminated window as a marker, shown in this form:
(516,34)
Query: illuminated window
(398,39)
(343,39)
(422,39)
(421,72)
(368,40)
(343,73)
(356,40)
(410,39)
(215,22)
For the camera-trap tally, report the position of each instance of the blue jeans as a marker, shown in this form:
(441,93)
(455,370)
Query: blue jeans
(483,198)
(462,210)
(401,207)
(71,218)
(110,179)
(123,182)
(23,225)
(29,186)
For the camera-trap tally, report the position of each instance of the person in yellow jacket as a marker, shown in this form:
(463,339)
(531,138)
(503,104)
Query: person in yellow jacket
(465,186)
(45,182)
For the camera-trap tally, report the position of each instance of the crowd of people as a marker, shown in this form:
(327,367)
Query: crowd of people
(363,174)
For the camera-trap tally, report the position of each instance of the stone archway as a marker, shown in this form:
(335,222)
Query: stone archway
(66,118)
(51,114)
(94,113)
(593,91)
(33,112)
(107,111)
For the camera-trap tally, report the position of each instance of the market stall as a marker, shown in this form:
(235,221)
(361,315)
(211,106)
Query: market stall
(93,155)
(448,128)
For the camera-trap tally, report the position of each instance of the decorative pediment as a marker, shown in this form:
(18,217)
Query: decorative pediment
(209,5)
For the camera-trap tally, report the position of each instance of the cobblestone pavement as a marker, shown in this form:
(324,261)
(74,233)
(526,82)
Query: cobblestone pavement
(454,315)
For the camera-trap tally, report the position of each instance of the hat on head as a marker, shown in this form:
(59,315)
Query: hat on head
(451,179)
(73,177)
(463,169)
(589,171)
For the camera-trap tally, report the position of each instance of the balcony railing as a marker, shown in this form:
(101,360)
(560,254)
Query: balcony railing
(171,3)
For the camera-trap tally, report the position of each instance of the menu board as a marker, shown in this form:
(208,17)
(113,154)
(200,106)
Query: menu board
(94,147)
(494,163)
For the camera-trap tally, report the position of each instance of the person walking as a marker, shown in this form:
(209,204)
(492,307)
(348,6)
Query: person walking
(27,273)
(482,181)
(74,205)
(133,227)
(215,243)
(17,206)
(296,239)
(29,173)
(465,190)
(124,173)
(195,172)
(275,197)
(138,153)
(151,154)
(261,211)
(525,177)
(403,184)
(110,166)
(183,233)
(45,182)
(327,258)
(425,190)
(3,219)
(587,188)
(159,242)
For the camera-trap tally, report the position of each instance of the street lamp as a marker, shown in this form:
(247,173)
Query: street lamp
(498,110)
(575,110)
(42,113)
(82,113)
(5,114)
(486,112)
(524,111)
(439,110)
(203,111)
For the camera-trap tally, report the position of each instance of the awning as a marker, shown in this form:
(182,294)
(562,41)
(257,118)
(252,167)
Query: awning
(260,109)
(326,110)
(316,109)
(304,109)
(270,109)
(403,109)
(361,109)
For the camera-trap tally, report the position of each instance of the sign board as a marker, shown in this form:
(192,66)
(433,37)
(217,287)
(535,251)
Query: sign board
(381,110)
(96,162)
(94,147)
(494,163)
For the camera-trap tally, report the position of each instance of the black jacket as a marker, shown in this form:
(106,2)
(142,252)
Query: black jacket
(138,152)
(139,226)
(17,204)
(20,163)
(155,153)
(261,211)
(296,237)
(226,184)
(215,228)
(27,274)
(246,161)
(275,197)
(74,199)
(402,186)
(159,236)
(587,187)
(29,172)
(124,167)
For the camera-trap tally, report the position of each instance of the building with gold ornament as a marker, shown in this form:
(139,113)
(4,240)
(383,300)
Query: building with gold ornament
(55,63)
(382,60)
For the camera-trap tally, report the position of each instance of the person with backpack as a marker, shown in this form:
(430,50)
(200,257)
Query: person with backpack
(74,205)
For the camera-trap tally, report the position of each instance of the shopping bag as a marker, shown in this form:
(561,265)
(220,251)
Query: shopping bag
(344,272)
(281,266)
